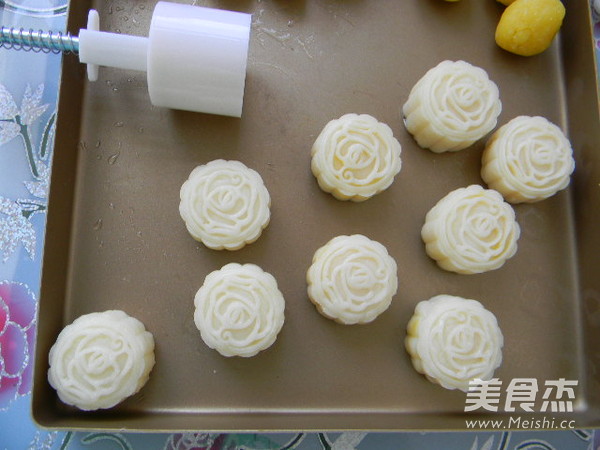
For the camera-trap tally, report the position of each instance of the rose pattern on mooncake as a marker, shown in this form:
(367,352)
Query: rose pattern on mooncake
(239,310)
(355,157)
(100,359)
(452,106)
(527,160)
(471,230)
(452,340)
(352,279)
(225,205)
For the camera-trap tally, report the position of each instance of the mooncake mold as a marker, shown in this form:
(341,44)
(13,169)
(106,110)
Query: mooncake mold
(527,160)
(453,340)
(452,106)
(239,310)
(355,157)
(100,359)
(471,230)
(225,205)
(352,279)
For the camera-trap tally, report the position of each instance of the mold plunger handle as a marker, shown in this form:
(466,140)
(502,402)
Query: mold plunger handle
(195,57)
(97,48)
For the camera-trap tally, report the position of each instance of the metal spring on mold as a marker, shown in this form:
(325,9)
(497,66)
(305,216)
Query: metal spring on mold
(38,41)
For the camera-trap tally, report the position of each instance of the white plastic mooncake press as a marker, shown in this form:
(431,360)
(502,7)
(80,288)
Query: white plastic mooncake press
(195,57)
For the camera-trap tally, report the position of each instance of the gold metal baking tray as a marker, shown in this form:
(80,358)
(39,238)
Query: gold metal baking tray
(114,237)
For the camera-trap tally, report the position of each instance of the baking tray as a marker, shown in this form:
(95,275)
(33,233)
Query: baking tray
(114,238)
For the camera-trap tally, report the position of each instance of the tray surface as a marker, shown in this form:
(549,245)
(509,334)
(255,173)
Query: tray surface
(115,239)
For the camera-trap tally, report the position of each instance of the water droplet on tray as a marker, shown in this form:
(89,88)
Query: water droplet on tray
(98,143)
(118,124)
(113,158)
(97,225)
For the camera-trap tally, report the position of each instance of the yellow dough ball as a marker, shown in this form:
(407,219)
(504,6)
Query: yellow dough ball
(527,27)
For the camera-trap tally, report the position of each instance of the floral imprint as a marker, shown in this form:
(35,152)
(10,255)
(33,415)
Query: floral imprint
(239,310)
(100,359)
(452,106)
(225,205)
(352,279)
(471,230)
(355,157)
(527,160)
(452,340)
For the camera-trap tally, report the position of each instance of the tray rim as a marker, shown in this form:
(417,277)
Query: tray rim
(72,73)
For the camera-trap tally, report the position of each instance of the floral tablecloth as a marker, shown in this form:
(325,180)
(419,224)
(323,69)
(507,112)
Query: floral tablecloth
(28,97)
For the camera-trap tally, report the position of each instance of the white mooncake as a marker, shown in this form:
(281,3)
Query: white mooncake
(355,157)
(452,106)
(100,359)
(239,310)
(452,340)
(471,230)
(352,279)
(527,160)
(225,205)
